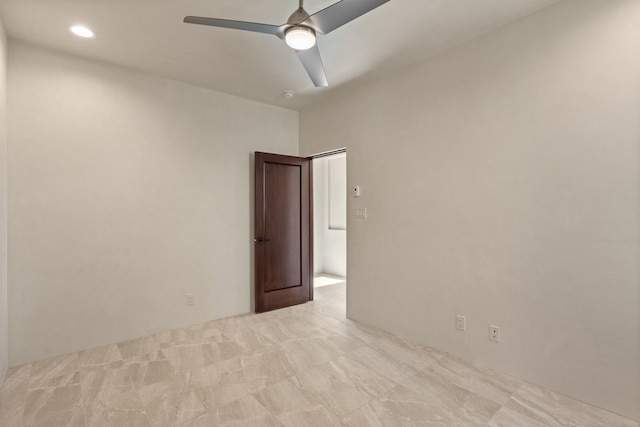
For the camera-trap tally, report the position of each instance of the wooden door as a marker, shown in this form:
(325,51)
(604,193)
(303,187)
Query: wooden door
(283,227)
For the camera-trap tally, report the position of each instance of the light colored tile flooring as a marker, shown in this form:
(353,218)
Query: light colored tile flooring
(301,366)
(327,280)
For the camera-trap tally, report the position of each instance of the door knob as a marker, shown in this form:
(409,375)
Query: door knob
(261,240)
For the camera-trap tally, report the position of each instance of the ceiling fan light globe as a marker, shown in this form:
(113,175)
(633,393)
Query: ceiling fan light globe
(300,38)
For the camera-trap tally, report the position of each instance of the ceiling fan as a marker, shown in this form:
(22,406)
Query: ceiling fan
(301,29)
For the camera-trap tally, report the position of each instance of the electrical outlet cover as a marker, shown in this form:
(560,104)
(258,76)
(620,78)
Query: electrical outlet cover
(494,333)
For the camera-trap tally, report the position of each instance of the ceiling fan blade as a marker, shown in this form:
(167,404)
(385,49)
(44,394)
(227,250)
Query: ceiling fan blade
(338,14)
(312,62)
(277,30)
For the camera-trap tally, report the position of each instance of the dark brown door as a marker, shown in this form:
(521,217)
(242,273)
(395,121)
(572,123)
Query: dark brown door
(283,231)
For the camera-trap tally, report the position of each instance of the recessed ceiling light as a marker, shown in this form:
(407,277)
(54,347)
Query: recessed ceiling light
(81,31)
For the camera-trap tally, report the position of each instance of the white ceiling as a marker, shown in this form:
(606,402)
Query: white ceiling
(149,35)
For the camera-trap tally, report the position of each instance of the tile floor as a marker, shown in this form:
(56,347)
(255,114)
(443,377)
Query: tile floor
(302,366)
(327,280)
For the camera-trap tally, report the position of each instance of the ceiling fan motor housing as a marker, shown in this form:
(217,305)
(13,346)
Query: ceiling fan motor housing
(297,17)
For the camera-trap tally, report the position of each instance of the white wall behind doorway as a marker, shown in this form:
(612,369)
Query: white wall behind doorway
(329,215)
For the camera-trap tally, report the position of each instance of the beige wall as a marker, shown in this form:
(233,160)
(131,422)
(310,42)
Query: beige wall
(127,191)
(502,183)
(4,352)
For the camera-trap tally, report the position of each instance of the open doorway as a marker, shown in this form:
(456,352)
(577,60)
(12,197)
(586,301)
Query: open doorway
(330,219)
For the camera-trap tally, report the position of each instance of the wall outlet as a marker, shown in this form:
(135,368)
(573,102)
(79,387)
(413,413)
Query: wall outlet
(461,323)
(494,333)
(190,299)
